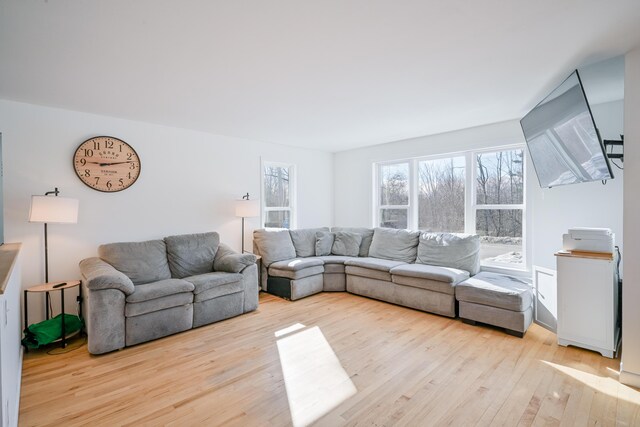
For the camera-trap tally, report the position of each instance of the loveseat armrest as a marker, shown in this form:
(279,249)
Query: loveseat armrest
(100,275)
(230,261)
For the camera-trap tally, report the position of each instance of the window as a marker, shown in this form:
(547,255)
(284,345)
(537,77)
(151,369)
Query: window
(480,192)
(394,195)
(278,195)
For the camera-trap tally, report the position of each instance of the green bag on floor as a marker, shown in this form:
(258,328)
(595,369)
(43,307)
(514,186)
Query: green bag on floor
(48,331)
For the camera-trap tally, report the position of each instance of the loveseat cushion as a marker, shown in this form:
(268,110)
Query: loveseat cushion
(304,240)
(274,245)
(431,272)
(133,309)
(496,290)
(191,254)
(455,250)
(159,289)
(204,282)
(392,244)
(142,262)
(366,233)
(346,243)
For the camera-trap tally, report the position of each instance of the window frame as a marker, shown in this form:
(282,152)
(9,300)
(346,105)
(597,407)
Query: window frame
(264,209)
(470,192)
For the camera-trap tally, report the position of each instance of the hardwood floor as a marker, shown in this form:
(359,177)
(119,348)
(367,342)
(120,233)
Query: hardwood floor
(348,360)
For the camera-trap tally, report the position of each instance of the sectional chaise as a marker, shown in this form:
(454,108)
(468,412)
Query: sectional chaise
(431,272)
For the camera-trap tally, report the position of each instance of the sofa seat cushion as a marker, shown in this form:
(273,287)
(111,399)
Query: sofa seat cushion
(139,308)
(374,263)
(335,259)
(159,289)
(431,272)
(219,291)
(296,264)
(496,290)
(367,272)
(142,262)
(191,254)
(300,273)
(205,282)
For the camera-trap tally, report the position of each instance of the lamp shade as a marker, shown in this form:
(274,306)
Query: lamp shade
(52,209)
(247,208)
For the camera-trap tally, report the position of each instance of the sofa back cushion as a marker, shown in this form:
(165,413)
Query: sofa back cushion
(304,240)
(324,243)
(142,262)
(274,245)
(366,233)
(396,245)
(191,254)
(346,243)
(455,250)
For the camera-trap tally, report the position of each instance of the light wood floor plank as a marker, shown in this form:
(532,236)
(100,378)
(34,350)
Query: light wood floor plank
(404,368)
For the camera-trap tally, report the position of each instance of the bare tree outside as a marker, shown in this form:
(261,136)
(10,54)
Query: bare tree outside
(394,193)
(441,195)
(276,195)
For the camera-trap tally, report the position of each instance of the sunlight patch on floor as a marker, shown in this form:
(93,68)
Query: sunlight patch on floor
(605,385)
(313,376)
(289,329)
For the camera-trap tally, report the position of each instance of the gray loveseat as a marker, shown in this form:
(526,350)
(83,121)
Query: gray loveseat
(139,291)
(412,269)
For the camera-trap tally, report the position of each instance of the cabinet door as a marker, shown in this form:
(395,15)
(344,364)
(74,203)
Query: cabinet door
(585,301)
(546,305)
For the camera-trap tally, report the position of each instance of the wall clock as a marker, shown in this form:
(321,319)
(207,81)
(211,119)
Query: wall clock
(106,164)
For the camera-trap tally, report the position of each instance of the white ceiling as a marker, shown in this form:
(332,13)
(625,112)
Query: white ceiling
(325,74)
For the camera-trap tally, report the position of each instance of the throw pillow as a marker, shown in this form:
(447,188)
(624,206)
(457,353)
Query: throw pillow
(304,240)
(366,233)
(346,244)
(324,243)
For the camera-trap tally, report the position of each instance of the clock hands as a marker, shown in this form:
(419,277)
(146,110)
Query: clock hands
(111,163)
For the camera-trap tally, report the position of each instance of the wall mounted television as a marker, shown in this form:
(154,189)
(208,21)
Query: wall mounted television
(563,140)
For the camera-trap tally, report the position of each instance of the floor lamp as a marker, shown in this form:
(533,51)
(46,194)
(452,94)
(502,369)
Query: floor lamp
(246,208)
(51,209)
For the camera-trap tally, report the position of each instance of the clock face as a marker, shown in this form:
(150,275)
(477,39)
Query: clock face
(106,164)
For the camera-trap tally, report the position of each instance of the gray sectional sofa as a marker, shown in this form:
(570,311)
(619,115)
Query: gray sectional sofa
(412,269)
(139,291)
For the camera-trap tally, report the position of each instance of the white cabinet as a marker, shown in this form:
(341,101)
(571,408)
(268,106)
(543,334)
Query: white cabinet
(588,302)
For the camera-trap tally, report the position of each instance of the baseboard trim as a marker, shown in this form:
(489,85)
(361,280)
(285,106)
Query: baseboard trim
(629,378)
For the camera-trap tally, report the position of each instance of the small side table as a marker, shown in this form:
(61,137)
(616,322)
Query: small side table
(49,287)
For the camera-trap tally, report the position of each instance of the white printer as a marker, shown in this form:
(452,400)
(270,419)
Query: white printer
(589,240)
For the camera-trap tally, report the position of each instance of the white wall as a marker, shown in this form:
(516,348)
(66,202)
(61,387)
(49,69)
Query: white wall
(551,211)
(630,367)
(188,183)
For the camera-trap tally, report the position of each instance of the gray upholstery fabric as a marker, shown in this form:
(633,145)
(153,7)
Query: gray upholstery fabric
(334,268)
(324,243)
(441,274)
(334,259)
(142,262)
(296,274)
(496,290)
(104,319)
(274,245)
(159,289)
(218,291)
(406,296)
(175,300)
(251,289)
(297,264)
(346,243)
(366,233)
(304,240)
(191,254)
(301,288)
(158,324)
(332,282)
(231,261)
(461,251)
(367,272)
(518,321)
(398,245)
(100,275)
(216,309)
(205,282)
(374,263)
(431,285)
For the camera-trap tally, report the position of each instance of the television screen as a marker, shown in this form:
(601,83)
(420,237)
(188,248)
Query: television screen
(563,142)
